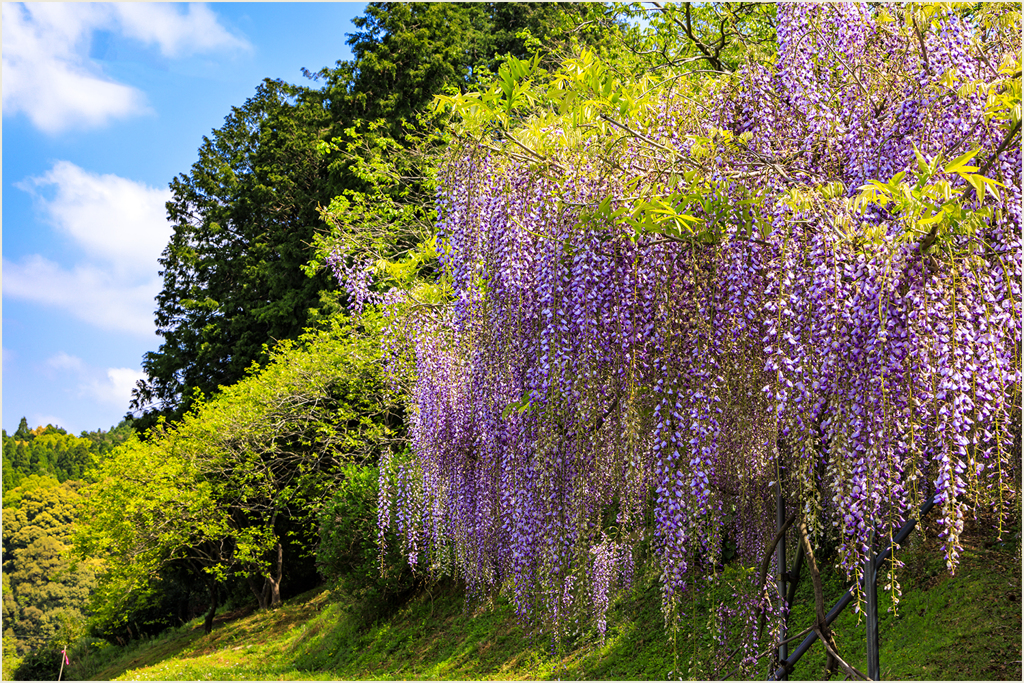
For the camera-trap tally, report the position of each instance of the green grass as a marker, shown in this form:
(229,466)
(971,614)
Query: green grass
(966,626)
(961,627)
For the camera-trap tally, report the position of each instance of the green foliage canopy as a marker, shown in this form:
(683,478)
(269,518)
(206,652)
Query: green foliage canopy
(246,214)
(221,489)
(42,589)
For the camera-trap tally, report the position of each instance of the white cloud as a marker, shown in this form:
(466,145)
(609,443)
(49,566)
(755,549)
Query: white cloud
(112,386)
(64,361)
(121,227)
(118,221)
(116,389)
(177,34)
(91,294)
(48,75)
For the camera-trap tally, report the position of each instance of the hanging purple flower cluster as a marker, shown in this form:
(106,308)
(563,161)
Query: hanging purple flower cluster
(586,378)
(355,278)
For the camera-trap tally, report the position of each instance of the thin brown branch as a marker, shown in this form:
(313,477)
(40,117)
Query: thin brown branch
(848,668)
(763,572)
(688,28)
(639,135)
(764,653)
(924,50)
(821,625)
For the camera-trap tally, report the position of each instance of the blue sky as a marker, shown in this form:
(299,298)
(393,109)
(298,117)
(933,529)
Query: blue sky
(103,104)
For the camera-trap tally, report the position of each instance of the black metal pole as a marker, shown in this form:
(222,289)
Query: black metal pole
(780,558)
(871,609)
(803,647)
(794,574)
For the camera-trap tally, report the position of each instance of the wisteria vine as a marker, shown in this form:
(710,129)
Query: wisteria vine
(591,389)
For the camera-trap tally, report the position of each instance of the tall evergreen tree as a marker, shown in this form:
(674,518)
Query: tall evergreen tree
(405,53)
(23,433)
(246,215)
(243,218)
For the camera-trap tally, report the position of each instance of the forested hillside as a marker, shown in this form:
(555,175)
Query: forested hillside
(44,470)
(51,451)
(562,305)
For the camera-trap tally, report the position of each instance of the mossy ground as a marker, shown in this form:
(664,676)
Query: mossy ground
(965,626)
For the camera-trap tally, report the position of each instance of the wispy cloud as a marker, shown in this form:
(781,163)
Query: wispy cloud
(88,292)
(114,220)
(116,388)
(43,419)
(112,386)
(47,73)
(177,34)
(120,226)
(64,361)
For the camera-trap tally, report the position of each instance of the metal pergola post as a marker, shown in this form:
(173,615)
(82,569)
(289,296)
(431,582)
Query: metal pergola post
(871,611)
(780,557)
(804,646)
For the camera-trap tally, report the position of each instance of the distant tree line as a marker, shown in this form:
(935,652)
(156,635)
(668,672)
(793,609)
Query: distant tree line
(51,451)
(44,471)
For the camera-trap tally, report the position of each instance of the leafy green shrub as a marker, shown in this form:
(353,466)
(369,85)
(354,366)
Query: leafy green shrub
(348,556)
(40,665)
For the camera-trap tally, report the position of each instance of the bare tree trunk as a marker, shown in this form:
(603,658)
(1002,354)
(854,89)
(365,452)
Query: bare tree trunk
(214,602)
(274,581)
(268,595)
(259,591)
(820,624)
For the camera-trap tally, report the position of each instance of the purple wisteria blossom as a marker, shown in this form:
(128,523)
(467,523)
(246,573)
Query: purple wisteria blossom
(585,380)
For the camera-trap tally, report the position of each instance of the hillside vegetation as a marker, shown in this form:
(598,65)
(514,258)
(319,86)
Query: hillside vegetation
(621,323)
(962,627)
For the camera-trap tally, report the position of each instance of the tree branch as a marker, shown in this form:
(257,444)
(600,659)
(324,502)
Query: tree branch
(688,28)
(820,625)
(851,670)
(638,135)
(763,573)
(924,50)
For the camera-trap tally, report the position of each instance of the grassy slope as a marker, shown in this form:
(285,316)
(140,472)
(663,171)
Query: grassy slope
(967,626)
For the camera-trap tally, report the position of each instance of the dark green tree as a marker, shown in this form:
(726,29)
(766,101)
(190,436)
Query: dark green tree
(405,53)
(243,218)
(104,441)
(23,433)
